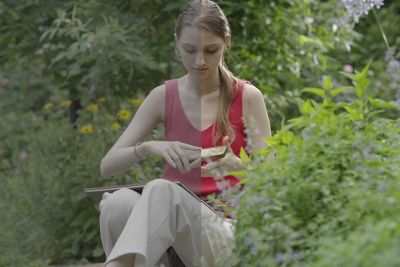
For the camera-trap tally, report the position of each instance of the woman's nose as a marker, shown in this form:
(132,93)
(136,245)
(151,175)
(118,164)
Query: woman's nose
(200,59)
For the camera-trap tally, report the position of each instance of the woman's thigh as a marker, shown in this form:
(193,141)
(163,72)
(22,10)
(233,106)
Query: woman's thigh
(214,234)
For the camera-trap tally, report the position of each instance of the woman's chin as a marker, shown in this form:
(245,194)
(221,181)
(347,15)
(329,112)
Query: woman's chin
(199,76)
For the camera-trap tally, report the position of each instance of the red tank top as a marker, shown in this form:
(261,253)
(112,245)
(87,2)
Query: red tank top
(179,128)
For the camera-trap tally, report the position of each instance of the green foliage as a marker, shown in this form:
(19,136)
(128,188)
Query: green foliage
(371,44)
(44,170)
(283,45)
(85,49)
(58,60)
(372,244)
(97,48)
(328,189)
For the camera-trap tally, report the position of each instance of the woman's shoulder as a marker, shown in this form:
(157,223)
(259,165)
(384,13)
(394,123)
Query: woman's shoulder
(158,93)
(155,101)
(160,89)
(250,95)
(250,91)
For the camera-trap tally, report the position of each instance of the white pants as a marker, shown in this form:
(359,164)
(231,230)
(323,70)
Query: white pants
(164,215)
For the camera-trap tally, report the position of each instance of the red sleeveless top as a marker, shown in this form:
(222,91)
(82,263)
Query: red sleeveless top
(178,128)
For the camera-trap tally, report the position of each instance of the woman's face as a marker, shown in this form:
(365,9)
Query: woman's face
(201,51)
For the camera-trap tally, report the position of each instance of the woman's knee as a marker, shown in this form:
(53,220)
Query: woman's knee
(120,201)
(159,185)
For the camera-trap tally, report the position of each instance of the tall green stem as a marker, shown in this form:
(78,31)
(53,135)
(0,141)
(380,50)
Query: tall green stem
(380,27)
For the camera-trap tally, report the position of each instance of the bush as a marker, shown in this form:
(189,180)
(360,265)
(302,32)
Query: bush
(330,185)
(46,165)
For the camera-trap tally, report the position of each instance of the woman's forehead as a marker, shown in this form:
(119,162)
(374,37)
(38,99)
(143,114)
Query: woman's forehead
(196,37)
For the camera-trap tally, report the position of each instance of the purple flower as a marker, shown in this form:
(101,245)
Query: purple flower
(357,8)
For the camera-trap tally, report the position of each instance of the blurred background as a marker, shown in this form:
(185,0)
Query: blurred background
(73,73)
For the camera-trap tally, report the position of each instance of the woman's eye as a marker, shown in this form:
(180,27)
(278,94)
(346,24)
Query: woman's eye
(207,51)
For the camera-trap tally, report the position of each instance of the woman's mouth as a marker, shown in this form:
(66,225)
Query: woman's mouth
(200,70)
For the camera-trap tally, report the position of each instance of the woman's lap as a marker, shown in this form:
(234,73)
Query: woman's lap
(215,236)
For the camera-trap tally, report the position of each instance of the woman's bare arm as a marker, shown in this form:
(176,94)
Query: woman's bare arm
(122,156)
(256,118)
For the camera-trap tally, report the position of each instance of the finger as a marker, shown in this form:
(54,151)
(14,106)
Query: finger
(183,158)
(177,160)
(169,160)
(212,165)
(192,154)
(196,163)
(187,146)
(225,142)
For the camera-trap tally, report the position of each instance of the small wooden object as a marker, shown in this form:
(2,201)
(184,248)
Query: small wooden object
(214,153)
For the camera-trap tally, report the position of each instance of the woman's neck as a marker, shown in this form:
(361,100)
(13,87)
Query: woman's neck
(202,87)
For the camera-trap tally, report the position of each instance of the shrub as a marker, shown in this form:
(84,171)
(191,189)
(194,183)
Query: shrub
(45,166)
(330,185)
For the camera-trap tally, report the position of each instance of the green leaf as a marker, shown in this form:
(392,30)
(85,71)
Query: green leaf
(243,181)
(305,107)
(354,114)
(361,86)
(287,137)
(379,103)
(243,156)
(348,75)
(316,91)
(361,80)
(340,90)
(364,73)
(13,13)
(237,173)
(327,83)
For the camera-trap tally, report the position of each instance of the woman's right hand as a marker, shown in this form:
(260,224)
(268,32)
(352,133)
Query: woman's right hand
(177,154)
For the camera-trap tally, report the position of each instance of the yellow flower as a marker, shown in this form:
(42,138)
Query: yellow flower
(66,103)
(136,101)
(116,125)
(124,114)
(101,99)
(93,107)
(86,129)
(48,105)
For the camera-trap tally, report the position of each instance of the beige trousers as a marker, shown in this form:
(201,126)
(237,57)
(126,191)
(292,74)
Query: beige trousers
(164,215)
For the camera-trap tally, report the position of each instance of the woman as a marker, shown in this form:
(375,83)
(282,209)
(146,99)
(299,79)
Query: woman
(204,108)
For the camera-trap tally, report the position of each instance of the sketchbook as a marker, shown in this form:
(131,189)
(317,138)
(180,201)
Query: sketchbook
(96,193)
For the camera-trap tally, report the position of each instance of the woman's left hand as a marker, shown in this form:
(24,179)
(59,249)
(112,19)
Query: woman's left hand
(219,168)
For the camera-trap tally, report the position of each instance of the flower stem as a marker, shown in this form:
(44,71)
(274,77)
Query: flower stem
(381,29)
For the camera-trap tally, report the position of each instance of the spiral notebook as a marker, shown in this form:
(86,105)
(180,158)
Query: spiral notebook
(96,193)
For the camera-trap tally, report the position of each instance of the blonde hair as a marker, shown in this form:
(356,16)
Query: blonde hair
(207,15)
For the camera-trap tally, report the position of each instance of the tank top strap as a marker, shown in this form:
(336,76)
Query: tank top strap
(171,94)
